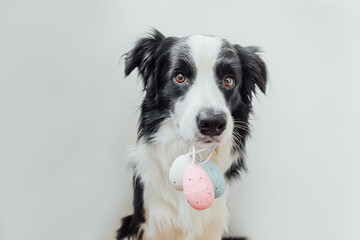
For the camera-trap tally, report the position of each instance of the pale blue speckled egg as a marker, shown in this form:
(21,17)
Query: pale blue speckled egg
(217,178)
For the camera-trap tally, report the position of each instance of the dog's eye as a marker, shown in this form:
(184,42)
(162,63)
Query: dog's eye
(180,78)
(229,82)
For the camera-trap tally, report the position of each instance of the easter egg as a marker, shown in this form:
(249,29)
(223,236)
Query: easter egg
(198,188)
(177,170)
(217,178)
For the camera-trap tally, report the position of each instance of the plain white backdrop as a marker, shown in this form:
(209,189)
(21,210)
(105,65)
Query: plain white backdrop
(68,117)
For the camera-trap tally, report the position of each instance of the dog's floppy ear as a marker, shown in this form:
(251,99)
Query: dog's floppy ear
(143,55)
(254,72)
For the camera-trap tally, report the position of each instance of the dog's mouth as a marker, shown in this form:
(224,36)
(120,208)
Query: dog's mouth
(206,140)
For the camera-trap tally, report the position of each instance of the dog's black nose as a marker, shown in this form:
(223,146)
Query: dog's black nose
(211,123)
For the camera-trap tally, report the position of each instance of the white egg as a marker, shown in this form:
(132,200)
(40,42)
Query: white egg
(177,170)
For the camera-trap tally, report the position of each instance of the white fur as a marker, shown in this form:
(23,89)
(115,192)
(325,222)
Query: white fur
(168,214)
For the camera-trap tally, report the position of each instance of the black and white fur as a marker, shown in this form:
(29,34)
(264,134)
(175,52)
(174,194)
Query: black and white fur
(168,124)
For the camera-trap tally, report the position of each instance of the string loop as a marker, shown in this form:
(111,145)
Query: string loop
(193,152)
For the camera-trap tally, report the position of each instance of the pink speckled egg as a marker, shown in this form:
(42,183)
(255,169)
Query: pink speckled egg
(198,188)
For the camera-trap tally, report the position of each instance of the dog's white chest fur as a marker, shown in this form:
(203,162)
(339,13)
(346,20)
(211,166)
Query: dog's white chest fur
(168,214)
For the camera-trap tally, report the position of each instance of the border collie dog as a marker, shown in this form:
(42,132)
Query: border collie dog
(198,90)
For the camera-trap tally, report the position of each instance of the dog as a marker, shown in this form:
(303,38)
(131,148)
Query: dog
(198,90)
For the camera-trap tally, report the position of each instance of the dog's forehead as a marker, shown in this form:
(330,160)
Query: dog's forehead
(204,51)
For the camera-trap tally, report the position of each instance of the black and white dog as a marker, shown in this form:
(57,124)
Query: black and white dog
(198,89)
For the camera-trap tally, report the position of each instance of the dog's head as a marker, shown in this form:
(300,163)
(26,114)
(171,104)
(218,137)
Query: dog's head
(202,83)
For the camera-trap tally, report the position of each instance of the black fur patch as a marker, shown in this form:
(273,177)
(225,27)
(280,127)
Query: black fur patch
(130,225)
(250,71)
(158,61)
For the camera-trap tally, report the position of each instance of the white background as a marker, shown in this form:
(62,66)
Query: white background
(68,116)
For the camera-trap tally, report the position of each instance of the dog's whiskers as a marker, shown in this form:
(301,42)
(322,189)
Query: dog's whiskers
(245,129)
(237,140)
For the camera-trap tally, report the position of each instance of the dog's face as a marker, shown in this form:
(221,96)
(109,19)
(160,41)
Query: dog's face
(202,83)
